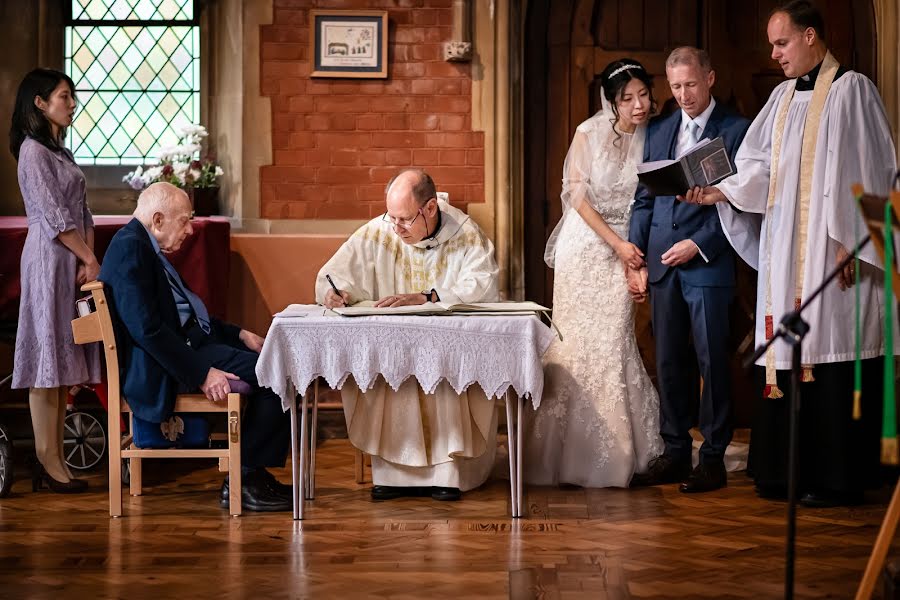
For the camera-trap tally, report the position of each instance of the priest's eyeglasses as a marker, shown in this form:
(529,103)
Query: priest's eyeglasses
(402,223)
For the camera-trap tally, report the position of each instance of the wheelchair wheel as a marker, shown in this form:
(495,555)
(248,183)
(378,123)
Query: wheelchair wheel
(84,440)
(6,463)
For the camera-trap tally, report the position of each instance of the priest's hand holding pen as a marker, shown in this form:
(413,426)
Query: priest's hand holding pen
(335,297)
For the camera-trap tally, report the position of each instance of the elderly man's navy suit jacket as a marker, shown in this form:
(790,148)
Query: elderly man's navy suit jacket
(156,360)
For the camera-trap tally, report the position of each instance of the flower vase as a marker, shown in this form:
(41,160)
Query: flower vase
(205,200)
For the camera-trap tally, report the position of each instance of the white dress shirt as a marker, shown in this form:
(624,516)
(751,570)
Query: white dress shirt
(685,140)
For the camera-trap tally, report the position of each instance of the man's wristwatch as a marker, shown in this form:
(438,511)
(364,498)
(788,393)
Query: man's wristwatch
(431,295)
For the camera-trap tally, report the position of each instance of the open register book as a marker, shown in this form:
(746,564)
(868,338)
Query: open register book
(705,163)
(368,308)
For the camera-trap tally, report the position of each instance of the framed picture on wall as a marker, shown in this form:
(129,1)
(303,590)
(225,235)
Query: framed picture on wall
(349,43)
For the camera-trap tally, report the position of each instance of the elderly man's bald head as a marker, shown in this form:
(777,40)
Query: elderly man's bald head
(159,197)
(412,205)
(165,211)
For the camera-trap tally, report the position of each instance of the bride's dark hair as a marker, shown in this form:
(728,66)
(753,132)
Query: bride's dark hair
(615,77)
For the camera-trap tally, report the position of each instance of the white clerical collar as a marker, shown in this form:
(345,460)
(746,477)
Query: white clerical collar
(702,119)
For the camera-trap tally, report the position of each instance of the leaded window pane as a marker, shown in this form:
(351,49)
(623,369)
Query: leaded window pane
(137,83)
(132,10)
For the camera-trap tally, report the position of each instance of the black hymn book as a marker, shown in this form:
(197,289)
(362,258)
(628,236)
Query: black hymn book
(705,163)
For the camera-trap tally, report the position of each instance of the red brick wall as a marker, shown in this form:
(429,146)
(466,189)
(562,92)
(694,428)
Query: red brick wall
(336,142)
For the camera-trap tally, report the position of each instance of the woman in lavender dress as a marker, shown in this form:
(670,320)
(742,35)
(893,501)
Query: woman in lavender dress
(58,257)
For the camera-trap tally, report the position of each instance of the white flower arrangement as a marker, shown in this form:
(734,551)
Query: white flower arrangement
(178,165)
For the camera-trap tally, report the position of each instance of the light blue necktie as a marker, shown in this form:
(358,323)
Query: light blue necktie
(694,131)
(200,312)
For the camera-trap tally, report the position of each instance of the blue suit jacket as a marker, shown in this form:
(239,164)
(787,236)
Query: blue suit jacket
(155,359)
(658,223)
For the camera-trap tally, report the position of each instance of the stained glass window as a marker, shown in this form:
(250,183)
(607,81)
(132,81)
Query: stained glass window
(136,68)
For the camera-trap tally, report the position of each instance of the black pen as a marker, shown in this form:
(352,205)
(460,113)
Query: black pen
(334,287)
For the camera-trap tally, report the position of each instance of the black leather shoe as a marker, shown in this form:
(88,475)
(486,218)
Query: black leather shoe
(446,493)
(261,477)
(663,469)
(281,489)
(258,493)
(390,492)
(771,491)
(705,478)
(40,478)
(825,499)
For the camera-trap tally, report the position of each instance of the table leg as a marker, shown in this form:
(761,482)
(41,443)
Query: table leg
(519,418)
(511,443)
(295,476)
(304,448)
(311,474)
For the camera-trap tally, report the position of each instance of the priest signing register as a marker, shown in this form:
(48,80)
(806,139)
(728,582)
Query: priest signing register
(421,250)
(790,213)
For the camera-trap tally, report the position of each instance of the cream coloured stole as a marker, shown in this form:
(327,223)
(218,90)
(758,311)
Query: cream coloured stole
(807,161)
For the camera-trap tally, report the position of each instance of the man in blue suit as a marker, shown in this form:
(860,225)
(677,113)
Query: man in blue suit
(690,271)
(168,343)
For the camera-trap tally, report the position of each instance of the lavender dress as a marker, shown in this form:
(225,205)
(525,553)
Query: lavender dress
(46,355)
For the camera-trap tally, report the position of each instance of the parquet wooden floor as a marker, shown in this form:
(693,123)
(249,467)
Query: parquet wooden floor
(175,542)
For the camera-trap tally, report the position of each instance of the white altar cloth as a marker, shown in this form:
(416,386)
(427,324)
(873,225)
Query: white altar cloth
(497,352)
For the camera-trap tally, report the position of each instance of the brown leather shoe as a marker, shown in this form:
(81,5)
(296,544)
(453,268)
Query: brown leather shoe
(663,469)
(705,478)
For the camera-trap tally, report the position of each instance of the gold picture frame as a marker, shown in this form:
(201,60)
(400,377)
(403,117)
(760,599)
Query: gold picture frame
(349,43)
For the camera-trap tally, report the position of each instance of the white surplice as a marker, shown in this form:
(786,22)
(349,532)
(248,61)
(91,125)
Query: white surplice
(854,146)
(442,439)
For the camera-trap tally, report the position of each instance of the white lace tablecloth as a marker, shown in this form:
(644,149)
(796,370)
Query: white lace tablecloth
(495,352)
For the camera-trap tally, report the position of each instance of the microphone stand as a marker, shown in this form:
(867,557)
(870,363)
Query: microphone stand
(792,329)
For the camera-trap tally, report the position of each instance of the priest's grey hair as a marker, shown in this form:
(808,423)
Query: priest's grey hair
(159,197)
(688,55)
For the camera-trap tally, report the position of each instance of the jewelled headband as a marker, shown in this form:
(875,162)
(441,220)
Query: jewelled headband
(624,68)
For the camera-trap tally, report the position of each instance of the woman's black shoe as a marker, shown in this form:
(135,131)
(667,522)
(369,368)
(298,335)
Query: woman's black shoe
(40,477)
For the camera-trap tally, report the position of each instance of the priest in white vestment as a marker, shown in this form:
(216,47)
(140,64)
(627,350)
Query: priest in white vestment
(422,249)
(789,213)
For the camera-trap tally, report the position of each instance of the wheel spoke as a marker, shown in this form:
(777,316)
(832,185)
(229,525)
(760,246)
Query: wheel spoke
(91,428)
(91,448)
(69,455)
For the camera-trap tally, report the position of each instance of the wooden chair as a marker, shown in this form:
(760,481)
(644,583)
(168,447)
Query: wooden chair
(97,327)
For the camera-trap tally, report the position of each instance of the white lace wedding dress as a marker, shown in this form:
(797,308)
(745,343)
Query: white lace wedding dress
(598,422)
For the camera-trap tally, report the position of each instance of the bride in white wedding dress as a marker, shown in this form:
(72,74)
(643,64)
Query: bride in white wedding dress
(598,422)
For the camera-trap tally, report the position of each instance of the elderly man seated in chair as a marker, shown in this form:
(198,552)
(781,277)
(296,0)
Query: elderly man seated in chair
(421,250)
(168,343)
